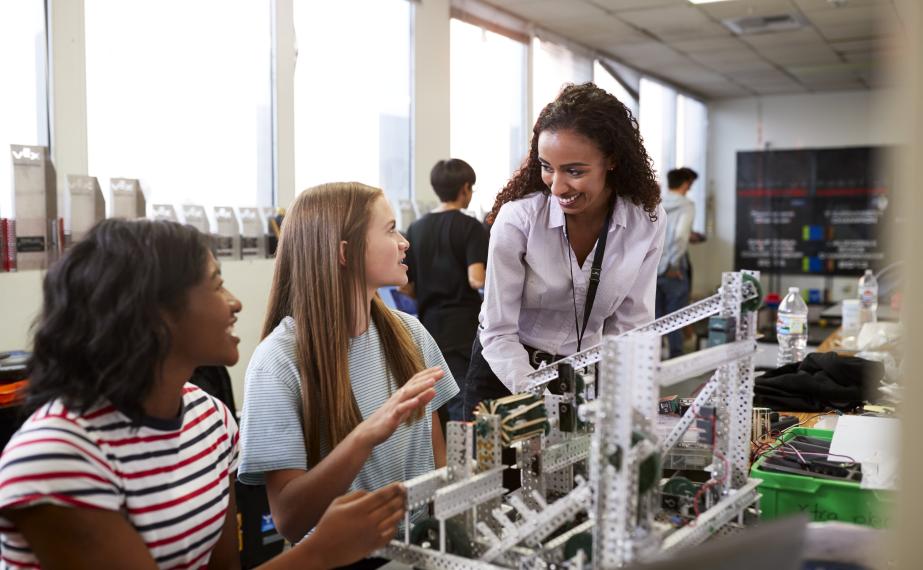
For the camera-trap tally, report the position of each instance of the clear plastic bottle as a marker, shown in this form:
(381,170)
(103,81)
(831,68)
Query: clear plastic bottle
(792,328)
(868,297)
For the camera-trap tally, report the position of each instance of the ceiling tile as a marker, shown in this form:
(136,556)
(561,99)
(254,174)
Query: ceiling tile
(842,48)
(718,91)
(800,55)
(795,37)
(844,85)
(851,31)
(549,10)
(648,53)
(779,89)
(600,26)
(828,73)
(864,57)
(728,67)
(591,26)
(661,18)
(762,76)
(689,73)
(740,55)
(856,45)
(848,14)
(743,8)
(708,44)
(606,41)
(825,5)
(619,5)
(682,31)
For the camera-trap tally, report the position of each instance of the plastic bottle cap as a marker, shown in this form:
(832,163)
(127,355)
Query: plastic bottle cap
(793,289)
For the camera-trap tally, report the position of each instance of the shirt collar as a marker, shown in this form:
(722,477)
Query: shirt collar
(556,214)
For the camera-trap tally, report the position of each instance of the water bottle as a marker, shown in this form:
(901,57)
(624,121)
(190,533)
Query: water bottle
(792,328)
(868,297)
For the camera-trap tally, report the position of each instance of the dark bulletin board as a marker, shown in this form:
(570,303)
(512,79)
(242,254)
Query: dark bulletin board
(811,211)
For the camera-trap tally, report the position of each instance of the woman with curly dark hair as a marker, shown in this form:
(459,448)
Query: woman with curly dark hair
(576,239)
(123,463)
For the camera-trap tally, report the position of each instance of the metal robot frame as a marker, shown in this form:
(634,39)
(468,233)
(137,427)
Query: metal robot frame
(612,434)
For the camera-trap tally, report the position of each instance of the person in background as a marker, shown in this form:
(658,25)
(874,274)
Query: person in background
(673,273)
(122,463)
(576,238)
(447,266)
(342,391)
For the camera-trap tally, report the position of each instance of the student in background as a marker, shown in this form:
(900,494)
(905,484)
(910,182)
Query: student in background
(122,463)
(576,238)
(342,392)
(447,260)
(673,273)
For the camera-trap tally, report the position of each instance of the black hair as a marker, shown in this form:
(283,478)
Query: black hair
(600,117)
(679,176)
(101,334)
(449,176)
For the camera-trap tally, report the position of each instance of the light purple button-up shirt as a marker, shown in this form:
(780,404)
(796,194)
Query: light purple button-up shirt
(529,299)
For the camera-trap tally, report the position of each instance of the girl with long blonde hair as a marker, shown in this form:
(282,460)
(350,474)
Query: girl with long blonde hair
(342,391)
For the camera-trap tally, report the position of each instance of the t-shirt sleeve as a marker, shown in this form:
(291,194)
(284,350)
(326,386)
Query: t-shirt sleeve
(271,434)
(230,426)
(476,243)
(53,462)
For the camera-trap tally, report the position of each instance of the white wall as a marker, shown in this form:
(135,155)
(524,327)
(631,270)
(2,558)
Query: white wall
(853,118)
(21,301)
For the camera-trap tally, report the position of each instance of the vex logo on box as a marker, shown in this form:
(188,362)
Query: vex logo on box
(25,153)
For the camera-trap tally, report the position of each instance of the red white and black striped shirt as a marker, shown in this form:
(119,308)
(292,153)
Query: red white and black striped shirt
(169,478)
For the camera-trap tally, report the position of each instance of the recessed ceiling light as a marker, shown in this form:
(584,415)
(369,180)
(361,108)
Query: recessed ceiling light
(706,1)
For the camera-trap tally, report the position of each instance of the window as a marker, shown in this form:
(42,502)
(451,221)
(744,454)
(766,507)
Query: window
(675,131)
(604,80)
(24,104)
(691,145)
(554,65)
(352,94)
(178,95)
(658,126)
(488,122)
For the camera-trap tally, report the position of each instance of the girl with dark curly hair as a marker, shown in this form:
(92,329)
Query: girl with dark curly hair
(123,463)
(576,239)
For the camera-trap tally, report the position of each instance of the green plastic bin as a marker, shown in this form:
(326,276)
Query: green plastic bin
(821,499)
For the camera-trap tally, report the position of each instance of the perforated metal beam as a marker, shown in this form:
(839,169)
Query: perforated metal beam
(689,417)
(714,518)
(705,308)
(691,365)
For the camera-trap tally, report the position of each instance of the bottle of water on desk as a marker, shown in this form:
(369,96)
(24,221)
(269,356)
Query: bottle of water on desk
(792,328)
(868,297)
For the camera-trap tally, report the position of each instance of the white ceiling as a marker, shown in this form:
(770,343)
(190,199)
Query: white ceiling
(844,45)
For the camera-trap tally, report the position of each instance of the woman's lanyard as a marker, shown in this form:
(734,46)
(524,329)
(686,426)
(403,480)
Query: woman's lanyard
(595,273)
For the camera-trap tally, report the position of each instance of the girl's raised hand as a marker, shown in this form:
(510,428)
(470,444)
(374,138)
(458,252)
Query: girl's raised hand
(415,394)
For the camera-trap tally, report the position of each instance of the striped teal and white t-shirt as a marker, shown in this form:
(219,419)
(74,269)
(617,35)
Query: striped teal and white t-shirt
(271,423)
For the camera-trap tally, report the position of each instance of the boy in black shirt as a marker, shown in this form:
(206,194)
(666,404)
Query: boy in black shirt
(447,264)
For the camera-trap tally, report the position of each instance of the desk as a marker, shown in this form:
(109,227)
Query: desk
(807,419)
(832,344)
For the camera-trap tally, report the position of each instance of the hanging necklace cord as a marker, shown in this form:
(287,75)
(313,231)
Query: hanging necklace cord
(595,274)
